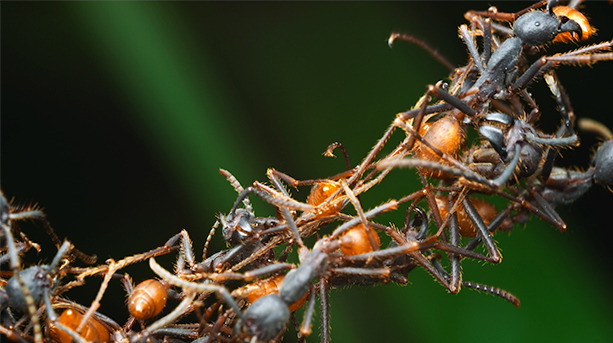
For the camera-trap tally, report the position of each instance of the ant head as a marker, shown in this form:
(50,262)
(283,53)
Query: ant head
(603,163)
(418,222)
(236,226)
(538,28)
(36,279)
(574,15)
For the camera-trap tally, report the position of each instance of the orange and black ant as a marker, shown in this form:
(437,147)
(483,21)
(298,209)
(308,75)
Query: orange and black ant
(498,79)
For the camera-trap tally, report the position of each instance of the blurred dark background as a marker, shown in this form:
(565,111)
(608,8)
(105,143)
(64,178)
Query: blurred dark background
(117,116)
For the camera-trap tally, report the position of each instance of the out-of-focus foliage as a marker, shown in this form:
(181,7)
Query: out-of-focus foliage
(117,115)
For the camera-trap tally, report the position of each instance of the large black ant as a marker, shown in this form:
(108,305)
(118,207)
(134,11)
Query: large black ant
(498,71)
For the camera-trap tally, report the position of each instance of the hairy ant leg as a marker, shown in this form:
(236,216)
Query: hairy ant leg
(423,45)
(583,56)
(33,212)
(330,153)
(305,328)
(480,287)
(595,127)
(190,291)
(109,270)
(503,16)
(324,307)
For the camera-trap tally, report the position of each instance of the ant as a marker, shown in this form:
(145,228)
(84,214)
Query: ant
(266,317)
(147,299)
(498,79)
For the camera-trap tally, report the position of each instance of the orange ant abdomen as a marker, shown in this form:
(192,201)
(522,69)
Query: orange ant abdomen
(446,134)
(355,241)
(573,14)
(486,210)
(147,299)
(322,191)
(270,286)
(92,331)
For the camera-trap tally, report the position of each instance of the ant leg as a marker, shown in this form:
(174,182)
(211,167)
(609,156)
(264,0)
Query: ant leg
(209,238)
(237,186)
(494,224)
(184,306)
(30,307)
(165,249)
(425,263)
(324,306)
(371,155)
(503,16)
(470,176)
(200,287)
(454,259)
(96,303)
(467,37)
(480,287)
(270,269)
(452,100)
(330,149)
(477,221)
(547,209)
(462,169)
(12,334)
(562,99)
(593,126)
(113,266)
(438,108)
(423,45)
(369,231)
(487,40)
(545,63)
(305,328)
(492,290)
(186,253)
(388,206)
(392,252)
(276,198)
(36,214)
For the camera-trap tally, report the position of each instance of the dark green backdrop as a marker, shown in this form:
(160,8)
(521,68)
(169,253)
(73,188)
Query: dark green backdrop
(116,117)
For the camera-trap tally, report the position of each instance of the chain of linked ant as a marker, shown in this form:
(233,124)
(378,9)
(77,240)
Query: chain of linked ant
(257,290)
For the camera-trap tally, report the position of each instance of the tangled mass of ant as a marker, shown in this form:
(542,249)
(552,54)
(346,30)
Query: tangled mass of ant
(250,291)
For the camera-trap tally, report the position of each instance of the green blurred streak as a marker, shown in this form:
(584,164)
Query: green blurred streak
(156,72)
(179,114)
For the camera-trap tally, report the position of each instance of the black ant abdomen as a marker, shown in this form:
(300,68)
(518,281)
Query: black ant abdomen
(603,163)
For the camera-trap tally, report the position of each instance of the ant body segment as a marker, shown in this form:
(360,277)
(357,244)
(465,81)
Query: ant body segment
(147,299)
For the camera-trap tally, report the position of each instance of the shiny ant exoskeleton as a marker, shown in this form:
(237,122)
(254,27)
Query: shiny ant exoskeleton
(93,331)
(147,299)
(498,71)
